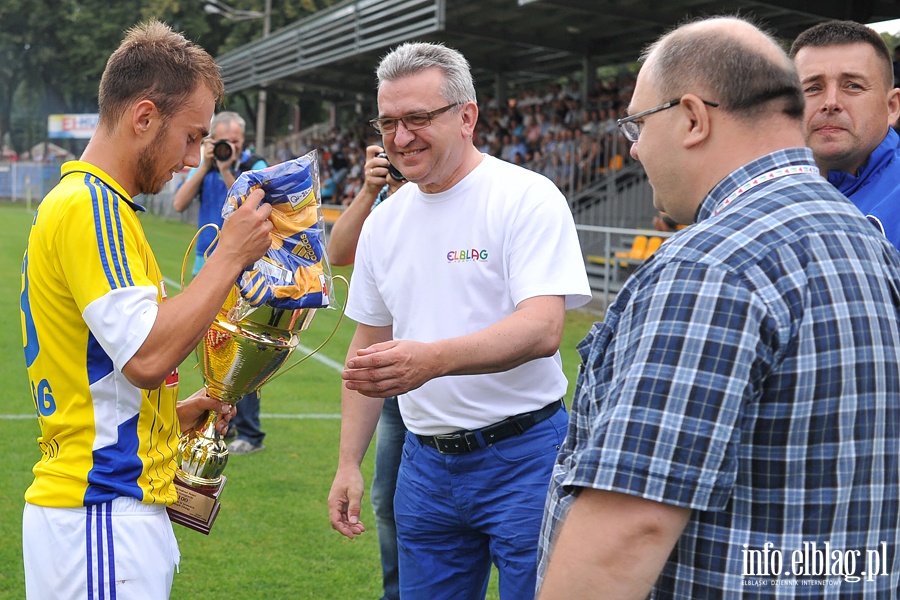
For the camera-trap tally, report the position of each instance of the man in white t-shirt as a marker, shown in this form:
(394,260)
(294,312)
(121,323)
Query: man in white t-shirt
(460,290)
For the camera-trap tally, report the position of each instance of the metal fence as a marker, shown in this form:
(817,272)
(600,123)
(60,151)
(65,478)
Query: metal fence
(602,248)
(27,181)
(327,36)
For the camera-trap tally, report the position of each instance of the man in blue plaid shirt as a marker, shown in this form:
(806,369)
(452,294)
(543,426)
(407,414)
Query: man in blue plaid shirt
(735,431)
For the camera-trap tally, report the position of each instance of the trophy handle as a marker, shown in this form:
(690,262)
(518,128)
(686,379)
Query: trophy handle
(330,335)
(191,247)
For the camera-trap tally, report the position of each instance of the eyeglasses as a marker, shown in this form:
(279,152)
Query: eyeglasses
(413,122)
(631,125)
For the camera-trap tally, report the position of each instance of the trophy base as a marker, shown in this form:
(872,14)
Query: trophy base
(196,508)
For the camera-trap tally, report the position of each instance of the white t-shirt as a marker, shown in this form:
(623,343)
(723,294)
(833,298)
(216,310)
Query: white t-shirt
(437,266)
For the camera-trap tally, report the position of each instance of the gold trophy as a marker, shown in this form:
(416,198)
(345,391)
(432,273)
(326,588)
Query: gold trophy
(238,355)
(257,328)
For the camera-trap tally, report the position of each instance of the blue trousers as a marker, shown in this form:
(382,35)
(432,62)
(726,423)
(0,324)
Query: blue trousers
(389,439)
(246,421)
(457,514)
(199,261)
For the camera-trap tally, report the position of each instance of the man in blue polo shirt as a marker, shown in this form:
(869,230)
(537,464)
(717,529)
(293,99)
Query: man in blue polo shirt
(215,176)
(846,72)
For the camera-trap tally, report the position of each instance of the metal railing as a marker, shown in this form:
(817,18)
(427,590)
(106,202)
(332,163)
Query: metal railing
(27,181)
(606,271)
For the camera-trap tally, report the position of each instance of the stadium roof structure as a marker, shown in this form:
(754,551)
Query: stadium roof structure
(334,51)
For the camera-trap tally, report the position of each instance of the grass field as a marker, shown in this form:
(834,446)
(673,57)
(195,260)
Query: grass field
(272,538)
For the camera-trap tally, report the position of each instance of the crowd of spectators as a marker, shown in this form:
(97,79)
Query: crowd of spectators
(557,133)
(557,130)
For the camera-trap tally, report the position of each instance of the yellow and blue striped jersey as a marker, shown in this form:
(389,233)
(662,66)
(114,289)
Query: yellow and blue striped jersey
(91,289)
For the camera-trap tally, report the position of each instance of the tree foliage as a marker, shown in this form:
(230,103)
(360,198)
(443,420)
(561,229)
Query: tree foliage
(891,39)
(52,53)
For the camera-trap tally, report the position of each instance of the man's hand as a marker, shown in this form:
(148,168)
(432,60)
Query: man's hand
(344,502)
(207,160)
(245,235)
(375,170)
(391,368)
(193,412)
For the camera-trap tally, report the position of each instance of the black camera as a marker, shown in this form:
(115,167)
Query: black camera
(392,170)
(223,151)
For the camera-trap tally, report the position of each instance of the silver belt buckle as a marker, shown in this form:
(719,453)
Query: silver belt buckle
(446,440)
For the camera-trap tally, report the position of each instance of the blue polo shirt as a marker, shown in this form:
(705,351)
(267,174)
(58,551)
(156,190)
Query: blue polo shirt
(876,189)
(212,197)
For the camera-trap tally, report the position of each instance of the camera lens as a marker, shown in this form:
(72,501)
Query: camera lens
(395,174)
(222,150)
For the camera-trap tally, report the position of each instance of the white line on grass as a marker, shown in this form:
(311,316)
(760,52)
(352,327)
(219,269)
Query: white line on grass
(300,416)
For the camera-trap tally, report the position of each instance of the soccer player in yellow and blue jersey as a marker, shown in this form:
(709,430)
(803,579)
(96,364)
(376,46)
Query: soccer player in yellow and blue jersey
(102,343)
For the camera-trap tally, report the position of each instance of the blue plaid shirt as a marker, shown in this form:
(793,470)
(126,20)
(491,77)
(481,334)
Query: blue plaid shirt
(750,370)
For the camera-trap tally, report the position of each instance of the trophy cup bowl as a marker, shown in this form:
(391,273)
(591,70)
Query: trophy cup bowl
(239,354)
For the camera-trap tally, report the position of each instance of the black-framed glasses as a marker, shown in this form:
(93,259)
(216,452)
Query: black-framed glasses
(631,125)
(413,122)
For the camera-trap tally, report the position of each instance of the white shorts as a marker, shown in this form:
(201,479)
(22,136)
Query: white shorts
(82,553)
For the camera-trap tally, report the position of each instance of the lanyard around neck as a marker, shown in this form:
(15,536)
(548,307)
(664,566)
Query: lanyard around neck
(760,179)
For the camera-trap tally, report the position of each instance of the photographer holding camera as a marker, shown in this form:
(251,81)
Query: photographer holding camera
(223,159)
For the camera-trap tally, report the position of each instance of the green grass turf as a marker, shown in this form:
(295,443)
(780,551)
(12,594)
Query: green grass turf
(272,538)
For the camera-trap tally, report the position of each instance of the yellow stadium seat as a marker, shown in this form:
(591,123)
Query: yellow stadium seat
(652,246)
(638,248)
(330,214)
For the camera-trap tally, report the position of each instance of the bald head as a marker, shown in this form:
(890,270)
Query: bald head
(730,61)
(726,94)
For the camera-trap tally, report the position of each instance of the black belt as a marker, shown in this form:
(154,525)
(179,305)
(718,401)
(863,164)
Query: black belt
(460,442)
